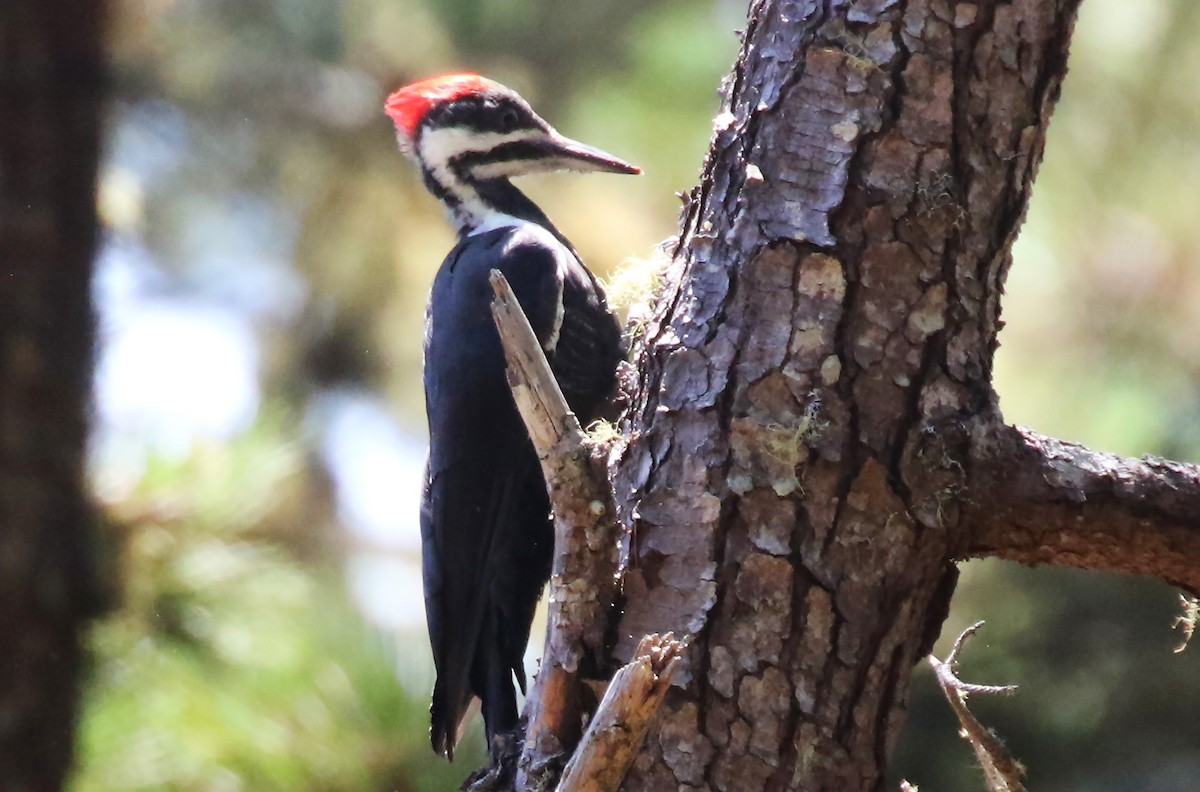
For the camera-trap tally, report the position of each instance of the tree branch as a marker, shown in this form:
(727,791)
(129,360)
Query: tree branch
(583,578)
(1038,500)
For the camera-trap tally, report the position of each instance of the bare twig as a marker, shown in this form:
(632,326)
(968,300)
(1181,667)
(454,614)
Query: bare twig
(1186,621)
(620,725)
(1001,772)
(582,582)
(1038,500)
(945,669)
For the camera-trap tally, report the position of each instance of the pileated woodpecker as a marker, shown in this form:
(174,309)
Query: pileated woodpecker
(486,533)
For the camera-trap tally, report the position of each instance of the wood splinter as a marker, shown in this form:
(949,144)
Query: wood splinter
(616,732)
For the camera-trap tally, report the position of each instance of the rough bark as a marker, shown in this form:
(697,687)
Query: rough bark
(809,389)
(50,110)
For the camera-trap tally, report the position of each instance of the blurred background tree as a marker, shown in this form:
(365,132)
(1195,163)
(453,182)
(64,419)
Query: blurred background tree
(50,130)
(259,435)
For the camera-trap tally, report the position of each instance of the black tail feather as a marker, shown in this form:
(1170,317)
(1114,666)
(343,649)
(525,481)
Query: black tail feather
(491,680)
(497,693)
(447,713)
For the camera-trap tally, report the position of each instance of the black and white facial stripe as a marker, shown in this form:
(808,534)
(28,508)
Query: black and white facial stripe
(468,143)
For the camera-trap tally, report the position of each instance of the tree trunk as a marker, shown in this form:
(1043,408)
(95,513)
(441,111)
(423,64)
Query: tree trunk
(50,111)
(815,389)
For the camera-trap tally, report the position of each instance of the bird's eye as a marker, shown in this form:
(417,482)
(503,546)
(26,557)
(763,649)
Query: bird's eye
(509,119)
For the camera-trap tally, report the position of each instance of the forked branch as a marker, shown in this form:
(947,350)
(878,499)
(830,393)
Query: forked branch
(1001,772)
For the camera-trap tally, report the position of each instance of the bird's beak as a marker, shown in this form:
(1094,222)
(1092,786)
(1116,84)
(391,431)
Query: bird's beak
(562,153)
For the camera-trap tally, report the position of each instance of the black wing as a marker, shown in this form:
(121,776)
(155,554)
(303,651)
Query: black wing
(585,357)
(486,532)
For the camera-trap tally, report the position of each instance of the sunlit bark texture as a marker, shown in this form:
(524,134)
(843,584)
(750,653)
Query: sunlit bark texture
(50,86)
(816,383)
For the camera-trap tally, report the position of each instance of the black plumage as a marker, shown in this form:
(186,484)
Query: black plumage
(486,528)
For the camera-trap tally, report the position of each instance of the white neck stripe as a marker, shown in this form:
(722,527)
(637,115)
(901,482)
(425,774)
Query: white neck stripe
(494,220)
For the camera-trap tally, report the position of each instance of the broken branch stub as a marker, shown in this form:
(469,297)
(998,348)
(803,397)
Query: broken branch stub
(583,576)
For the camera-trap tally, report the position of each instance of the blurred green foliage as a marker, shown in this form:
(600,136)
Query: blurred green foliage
(1102,343)
(233,662)
(249,160)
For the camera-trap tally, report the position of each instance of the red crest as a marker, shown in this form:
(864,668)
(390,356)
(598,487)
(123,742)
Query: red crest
(407,106)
